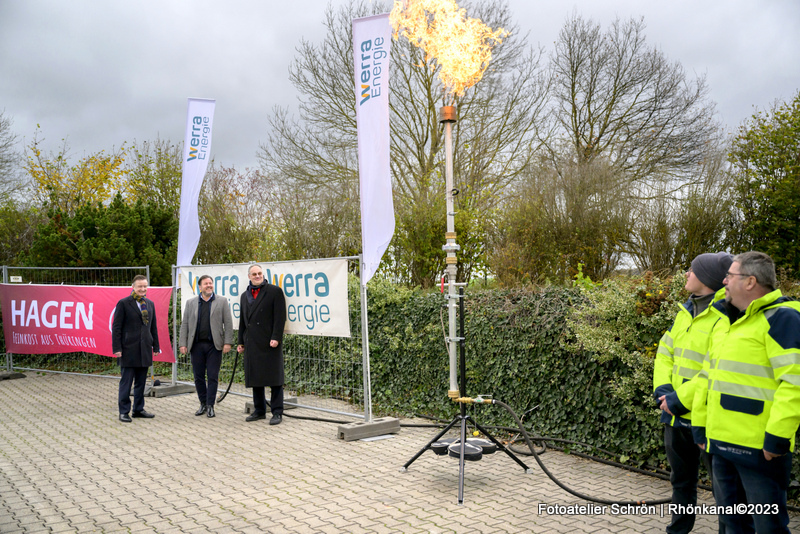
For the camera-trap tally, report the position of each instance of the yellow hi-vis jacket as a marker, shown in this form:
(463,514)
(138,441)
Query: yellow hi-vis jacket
(751,398)
(679,358)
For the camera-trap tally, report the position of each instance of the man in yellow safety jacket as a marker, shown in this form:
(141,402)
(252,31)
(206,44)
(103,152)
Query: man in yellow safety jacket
(748,410)
(679,358)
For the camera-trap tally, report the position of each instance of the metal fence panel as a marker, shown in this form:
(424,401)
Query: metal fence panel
(324,373)
(72,362)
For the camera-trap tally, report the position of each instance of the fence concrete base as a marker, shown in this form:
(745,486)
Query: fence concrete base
(169,390)
(376,427)
(10,375)
(249,407)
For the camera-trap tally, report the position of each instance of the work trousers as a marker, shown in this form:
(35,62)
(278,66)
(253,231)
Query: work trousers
(206,359)
(275,401)
(684,460)
(136,376)
(763,484)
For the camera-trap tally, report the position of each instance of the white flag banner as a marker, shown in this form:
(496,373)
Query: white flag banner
(372,41)
(196,154)
(315,291)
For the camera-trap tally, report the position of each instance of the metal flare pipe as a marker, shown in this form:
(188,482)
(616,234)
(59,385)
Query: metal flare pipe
(447,116)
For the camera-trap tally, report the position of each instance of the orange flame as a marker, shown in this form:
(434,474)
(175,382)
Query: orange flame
(459,45)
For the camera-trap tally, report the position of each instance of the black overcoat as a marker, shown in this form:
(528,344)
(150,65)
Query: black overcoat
(131,336)
(260,322)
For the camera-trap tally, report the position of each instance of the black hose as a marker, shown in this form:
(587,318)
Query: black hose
(658,473)
(646,469)
(557,482)
(233,375)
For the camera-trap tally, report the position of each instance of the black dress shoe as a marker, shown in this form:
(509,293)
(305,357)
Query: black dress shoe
(202,410)
(211,412)
(146,415)
(276,419)
(255,416)
(125,418)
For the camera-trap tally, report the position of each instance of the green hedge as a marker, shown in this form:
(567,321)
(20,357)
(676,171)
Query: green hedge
(520,350)
(582,356)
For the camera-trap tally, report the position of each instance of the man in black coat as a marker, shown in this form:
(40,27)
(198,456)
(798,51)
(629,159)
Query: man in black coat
(134,340)
(263,316)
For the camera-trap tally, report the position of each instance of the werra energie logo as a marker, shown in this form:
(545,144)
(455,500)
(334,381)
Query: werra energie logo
(198,145)
(372,54)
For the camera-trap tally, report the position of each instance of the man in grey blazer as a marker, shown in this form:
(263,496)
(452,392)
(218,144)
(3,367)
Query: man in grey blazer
(206,332)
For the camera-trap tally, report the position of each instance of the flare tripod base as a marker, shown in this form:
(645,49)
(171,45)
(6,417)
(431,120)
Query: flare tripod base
(463,419)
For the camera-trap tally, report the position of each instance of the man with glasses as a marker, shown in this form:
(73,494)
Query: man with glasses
(679,358)
(261,323)
(748,409)
(134,340)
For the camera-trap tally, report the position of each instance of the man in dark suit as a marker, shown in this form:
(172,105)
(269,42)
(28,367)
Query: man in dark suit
(134,340)
(206,332)
(263,316)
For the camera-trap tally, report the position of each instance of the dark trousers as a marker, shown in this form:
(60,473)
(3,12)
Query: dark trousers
(684,460)
(275,400)
(765,483)
(136,376)
(206,358)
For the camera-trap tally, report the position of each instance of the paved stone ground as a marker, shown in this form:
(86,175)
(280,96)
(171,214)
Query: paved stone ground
(68,465)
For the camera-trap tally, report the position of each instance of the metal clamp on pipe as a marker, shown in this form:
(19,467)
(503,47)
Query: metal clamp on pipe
(477,400)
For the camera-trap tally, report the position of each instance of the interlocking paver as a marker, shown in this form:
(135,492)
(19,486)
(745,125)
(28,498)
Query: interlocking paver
(178,473)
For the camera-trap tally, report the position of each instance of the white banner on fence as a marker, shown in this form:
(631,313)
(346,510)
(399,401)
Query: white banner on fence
(372,41)
(316,292)
(196,155)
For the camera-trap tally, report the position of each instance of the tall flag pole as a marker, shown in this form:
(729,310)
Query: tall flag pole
(196,154)
(372,44)
(372,41)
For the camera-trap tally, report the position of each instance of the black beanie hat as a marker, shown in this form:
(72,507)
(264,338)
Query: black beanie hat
(711,268)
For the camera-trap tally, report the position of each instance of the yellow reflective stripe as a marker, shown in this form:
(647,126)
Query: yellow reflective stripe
(751,392)
(666,339)
(792,358)
(749,369)
(664,350)
(693,355)
(685,372)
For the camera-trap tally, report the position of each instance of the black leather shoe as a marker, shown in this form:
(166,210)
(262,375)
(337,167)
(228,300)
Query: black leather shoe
(276,419)
(255,416)
(125,418)
(202,410)
(146,415)
(211,412)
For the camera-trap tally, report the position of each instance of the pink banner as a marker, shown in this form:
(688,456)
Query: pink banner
(50,319)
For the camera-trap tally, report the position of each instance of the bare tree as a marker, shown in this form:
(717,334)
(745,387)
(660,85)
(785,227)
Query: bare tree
(562,215)
(236,214)
(618,98)
(154,172)
(673,227)
(494,137)
(633,151)
(9,158)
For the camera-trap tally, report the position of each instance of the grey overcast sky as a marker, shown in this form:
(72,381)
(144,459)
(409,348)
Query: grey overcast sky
(100,73)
